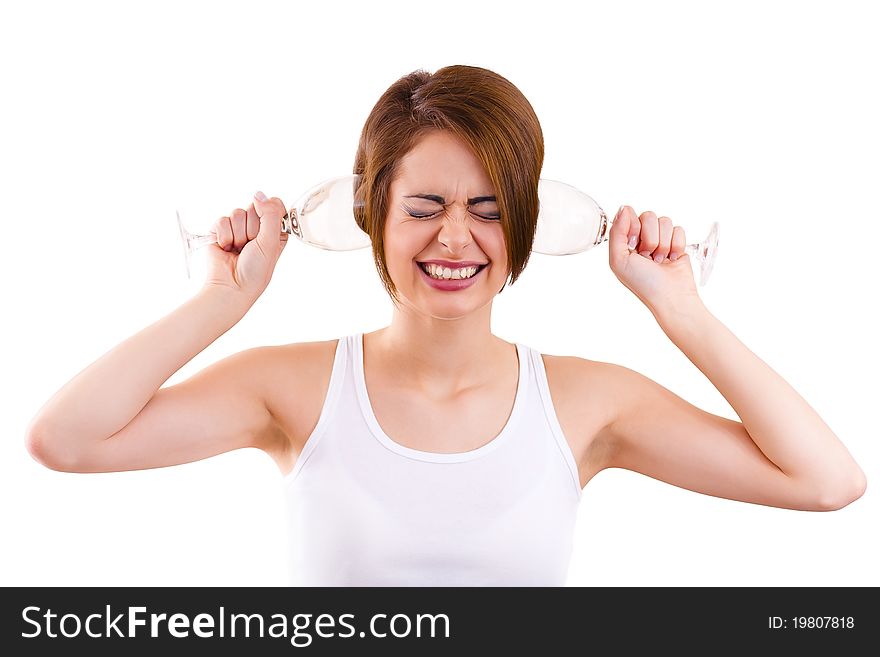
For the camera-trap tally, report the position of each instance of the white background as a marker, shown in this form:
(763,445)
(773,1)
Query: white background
(760,115)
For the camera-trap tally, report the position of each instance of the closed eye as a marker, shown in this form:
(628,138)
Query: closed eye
(432,214)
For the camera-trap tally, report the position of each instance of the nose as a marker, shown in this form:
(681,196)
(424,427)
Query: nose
(455,230)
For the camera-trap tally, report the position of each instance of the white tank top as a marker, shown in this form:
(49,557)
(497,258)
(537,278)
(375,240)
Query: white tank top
(364,510)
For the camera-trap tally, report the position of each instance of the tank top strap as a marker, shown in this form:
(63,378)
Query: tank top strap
(341,361)
(546,401)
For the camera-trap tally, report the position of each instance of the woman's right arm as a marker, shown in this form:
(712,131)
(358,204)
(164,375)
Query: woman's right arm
(114,415)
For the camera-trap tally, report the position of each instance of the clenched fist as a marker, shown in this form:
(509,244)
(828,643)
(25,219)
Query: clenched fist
(249,243)
(647,254)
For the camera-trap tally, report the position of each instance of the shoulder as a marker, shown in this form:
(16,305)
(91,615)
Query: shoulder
(279,356)
(580,375)
(301,368)
(303,354)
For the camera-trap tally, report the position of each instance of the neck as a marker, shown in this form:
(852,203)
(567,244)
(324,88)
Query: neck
(440,357)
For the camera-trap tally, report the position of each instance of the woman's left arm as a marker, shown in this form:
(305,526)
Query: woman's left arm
(780,422)
(647,255)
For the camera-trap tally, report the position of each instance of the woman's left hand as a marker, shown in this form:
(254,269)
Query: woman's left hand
(646,253)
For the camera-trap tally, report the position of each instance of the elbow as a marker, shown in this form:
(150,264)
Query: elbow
(45,453)
(37,448)
(835,498)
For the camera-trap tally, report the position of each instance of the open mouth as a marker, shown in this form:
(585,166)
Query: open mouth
(476,270)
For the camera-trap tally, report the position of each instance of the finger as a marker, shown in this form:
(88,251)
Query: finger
(625,224)
(270,212)
(238,218)
(253,222)
(223,231)
(635,228)
(676,249)
(649,238)
(664,225)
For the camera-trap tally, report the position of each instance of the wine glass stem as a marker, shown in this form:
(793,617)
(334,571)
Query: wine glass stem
(198,241)
(697,250)
(288,226)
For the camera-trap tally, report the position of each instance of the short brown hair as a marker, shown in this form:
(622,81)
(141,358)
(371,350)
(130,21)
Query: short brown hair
(489,114)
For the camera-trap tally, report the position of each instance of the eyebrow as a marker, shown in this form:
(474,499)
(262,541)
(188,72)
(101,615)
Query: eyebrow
(442,201)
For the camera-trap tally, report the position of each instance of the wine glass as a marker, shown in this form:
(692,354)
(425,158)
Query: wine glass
(323,216)
(569,222)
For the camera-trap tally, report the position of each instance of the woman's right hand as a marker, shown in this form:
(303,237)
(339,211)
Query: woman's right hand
(249,243)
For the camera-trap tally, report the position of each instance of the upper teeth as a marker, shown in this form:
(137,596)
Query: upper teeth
(436,271)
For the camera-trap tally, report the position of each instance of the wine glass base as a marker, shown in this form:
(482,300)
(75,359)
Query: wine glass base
(708,253)
(184,240)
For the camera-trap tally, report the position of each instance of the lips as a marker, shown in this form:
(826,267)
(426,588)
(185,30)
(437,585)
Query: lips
(453,264)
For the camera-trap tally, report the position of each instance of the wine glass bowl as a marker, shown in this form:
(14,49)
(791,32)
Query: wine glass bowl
(569,221)
(323,216)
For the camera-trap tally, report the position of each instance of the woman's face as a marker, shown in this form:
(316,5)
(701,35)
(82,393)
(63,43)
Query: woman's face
(459,223)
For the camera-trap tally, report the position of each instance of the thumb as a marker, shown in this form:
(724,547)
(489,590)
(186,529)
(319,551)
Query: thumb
(625,227)
(270,211)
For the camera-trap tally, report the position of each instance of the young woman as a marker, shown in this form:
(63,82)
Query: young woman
(432,452)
